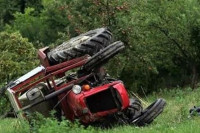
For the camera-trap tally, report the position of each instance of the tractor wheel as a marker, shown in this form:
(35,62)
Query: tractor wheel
(150,113)
(135,108)
(103,56)
(88,43)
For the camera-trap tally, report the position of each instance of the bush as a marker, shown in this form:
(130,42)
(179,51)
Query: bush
(40,124)
(18,56)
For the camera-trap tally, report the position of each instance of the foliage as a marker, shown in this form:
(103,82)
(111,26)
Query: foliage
(161,36)
(30,26)
(14,126)
(162,50)
(51,125)
(173,32)
(39,124)
(18,56)
(9,8)
(65,17)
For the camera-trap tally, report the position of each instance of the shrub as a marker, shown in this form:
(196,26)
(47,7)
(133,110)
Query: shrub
(18,56)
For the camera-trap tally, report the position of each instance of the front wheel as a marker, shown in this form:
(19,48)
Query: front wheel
(150,113)
(135,108)
(103,56)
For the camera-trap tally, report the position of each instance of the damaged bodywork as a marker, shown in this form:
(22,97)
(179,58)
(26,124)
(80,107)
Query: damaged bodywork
(76,85)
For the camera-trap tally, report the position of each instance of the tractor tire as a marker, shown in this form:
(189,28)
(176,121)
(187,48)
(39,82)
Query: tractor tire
(150,113)
(103,56)
(135,108)
(88,43)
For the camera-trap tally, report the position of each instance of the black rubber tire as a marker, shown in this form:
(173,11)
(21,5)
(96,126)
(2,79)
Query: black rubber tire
(135,108)
(103,56)
(88,43)
(150,113)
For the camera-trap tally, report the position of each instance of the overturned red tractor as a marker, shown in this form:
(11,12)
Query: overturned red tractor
(72,81)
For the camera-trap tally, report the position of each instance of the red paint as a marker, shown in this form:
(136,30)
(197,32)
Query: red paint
(42,56)
(73,105)
(76,103)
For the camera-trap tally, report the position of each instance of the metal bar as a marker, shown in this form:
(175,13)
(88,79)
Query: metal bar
(53,82)
(53,74)
(47,97)
(49,85)
(77,81)
(27,81)
(56,93)
(43,57)
(65,64)
(34,83)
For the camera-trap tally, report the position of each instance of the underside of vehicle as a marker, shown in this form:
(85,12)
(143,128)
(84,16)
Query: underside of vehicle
(73,81)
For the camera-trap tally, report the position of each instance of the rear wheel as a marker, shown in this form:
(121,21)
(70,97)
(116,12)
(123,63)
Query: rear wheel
(88,43)
(150,113)
(135,108)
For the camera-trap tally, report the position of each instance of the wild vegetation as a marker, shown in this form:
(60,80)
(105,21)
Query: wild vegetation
(174,119)
(161,36)
(162,40)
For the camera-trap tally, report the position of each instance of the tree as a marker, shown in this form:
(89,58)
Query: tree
(18,56)
(167,34)
(10,7)
(161,36)
(7,9)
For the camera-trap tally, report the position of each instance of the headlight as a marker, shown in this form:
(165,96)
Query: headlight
(76,89)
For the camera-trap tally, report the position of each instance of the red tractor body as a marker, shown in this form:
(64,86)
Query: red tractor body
(95,103)
(72,81)
(89,105)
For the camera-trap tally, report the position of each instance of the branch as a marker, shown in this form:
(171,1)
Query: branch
(173,40)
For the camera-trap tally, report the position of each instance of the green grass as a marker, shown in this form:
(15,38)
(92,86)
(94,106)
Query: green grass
(174,119)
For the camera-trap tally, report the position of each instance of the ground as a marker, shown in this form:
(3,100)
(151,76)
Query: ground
(174,119)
